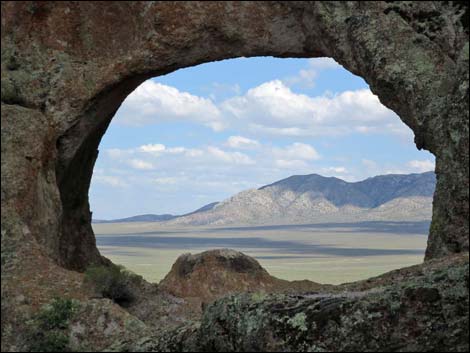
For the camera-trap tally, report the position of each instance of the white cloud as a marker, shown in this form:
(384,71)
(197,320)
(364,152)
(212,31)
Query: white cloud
(152,148)
(159,149)
(290,164)
(153,102)
(274,108)
(306,77)
(110,180)
(223,90)
(254,155)
(339,170)
(241,142)
(296,151)
(323,63)
(371,168)
(422,166)
(116,153)
(176,150)
(270,108)
(229,157)
(140,164)
(194,152)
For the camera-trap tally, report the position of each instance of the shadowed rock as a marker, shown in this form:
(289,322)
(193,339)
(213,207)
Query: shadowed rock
(215,273)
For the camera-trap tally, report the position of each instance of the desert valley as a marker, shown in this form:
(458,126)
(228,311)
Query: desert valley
(304,227)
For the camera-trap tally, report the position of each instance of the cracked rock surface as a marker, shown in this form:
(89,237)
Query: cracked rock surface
(67,66)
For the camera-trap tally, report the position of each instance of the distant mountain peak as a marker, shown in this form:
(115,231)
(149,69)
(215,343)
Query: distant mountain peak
(313,197)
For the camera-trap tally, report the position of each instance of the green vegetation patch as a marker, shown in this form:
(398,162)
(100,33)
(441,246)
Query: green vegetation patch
(113,282)
(47,331)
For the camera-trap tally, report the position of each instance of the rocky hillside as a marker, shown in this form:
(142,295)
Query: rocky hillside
(139,218)
(314,198)
(154,217)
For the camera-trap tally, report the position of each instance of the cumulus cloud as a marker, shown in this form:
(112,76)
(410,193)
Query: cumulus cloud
(270,125)
(153,102)
(159,149)
(422,165)
(290,164)
(306,77)
(270,108)
(141,164)
(229,157)
(211,157)
(152,148)
(241,142)
(274,108)
(370,168)
(296,151)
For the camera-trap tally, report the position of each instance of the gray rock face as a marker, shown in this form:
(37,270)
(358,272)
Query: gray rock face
(215,273)
(67,66)
(73,67)
(426,313)
(314,198)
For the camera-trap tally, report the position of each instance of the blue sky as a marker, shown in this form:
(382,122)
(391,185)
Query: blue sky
(203,133)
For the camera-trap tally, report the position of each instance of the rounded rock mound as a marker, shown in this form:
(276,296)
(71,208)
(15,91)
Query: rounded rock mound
(215,273)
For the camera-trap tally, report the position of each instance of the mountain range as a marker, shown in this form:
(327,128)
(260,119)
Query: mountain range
(316,199)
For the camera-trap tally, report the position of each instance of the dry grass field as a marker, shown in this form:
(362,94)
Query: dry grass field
(326,253)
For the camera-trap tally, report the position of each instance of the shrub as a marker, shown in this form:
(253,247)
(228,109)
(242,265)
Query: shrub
(47,329)
(56,315)
(113,282)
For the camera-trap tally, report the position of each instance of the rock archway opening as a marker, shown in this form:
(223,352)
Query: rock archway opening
(273,165)
(68,66)
(81,83)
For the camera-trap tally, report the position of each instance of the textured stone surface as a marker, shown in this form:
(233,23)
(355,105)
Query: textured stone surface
(214,273)
(67,66)
(210,275)
(428,312)
(420,308)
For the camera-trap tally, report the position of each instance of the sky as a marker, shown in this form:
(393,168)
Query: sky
(204,133)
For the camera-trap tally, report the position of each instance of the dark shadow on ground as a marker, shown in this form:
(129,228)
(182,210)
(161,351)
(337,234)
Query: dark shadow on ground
(418,227)
(253,244)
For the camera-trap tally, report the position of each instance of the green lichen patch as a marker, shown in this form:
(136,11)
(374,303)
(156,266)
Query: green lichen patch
(298,321)
(48,329)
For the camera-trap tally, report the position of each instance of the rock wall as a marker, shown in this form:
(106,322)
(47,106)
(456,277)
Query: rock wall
(67,66)
(428,312)
(417,309)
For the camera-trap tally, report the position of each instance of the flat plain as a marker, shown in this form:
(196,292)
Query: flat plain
(326,253)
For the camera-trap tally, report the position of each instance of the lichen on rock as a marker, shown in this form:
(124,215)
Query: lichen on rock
(66,68)
(426,312)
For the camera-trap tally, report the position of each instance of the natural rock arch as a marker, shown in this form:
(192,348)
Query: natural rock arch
(67,66)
